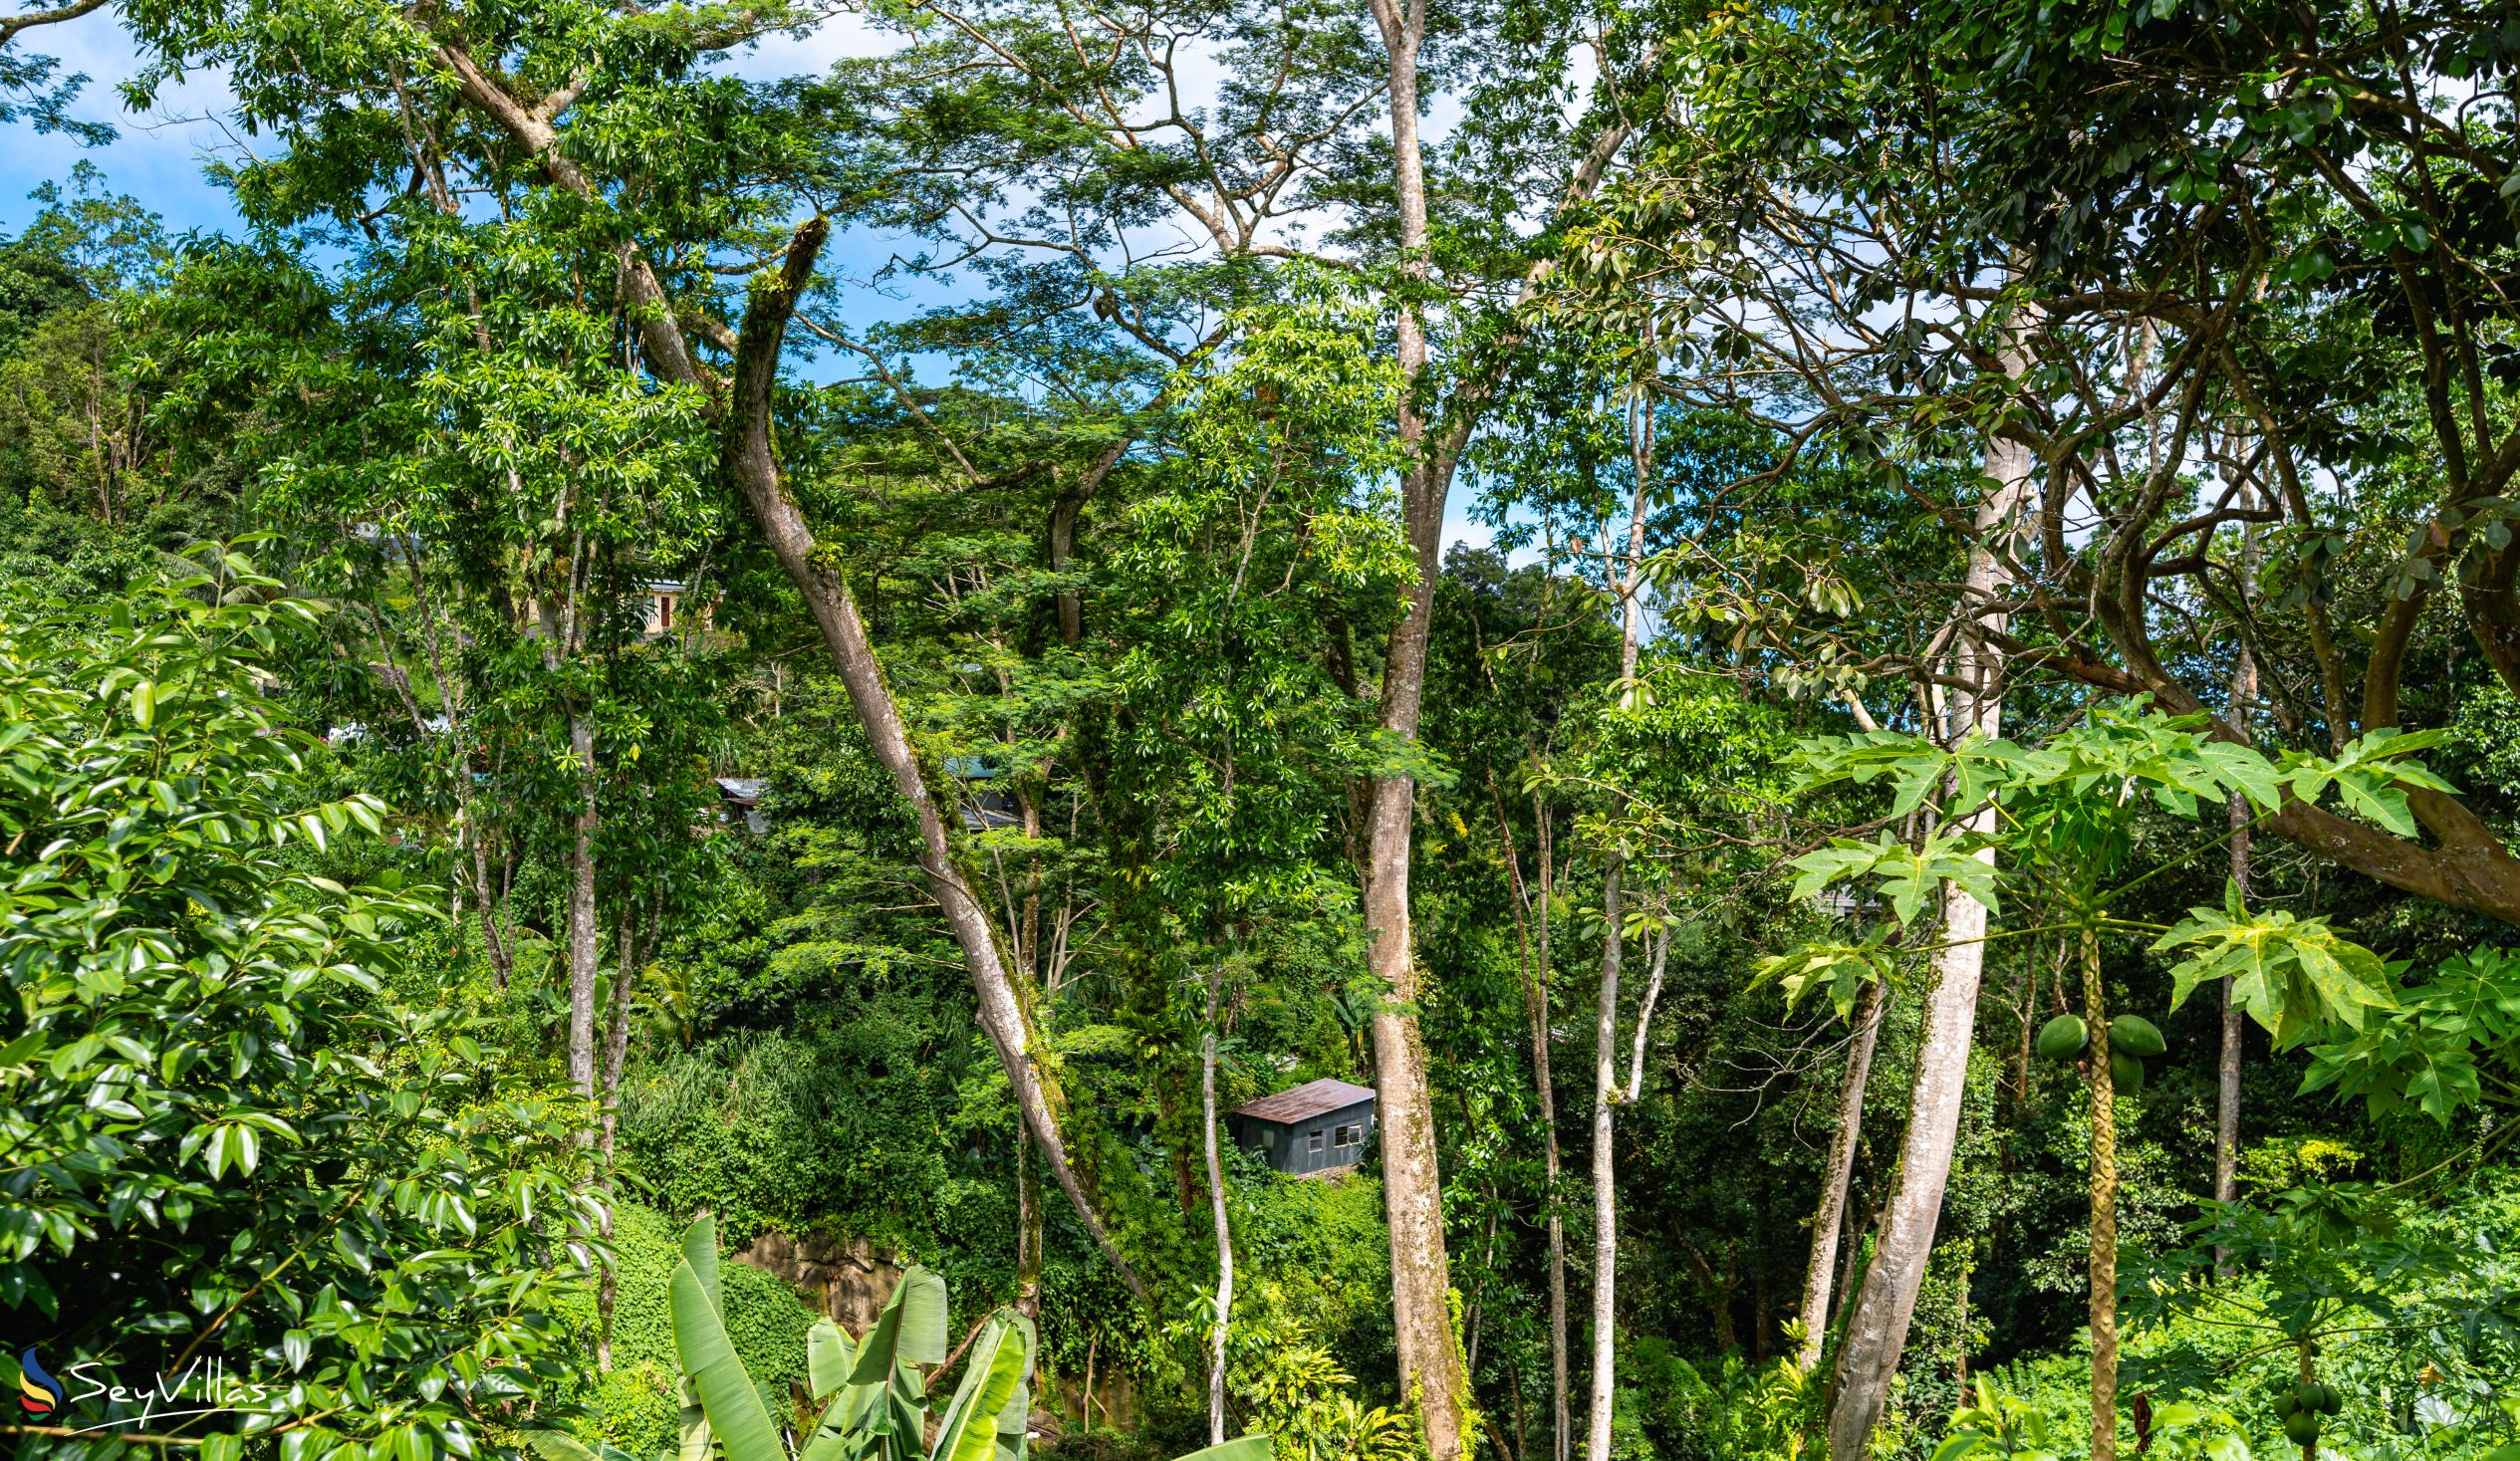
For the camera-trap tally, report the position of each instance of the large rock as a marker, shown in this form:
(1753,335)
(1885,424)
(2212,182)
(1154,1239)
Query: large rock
(847,1277)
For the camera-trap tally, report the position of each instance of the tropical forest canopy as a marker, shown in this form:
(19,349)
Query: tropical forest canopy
(678,727)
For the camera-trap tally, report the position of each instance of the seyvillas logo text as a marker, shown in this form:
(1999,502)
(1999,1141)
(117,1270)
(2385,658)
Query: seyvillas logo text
(203,1388)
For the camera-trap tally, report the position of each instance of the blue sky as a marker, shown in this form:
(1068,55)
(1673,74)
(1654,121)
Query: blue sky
(161,156)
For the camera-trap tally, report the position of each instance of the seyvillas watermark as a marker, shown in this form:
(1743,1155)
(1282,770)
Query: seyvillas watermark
(203,1388)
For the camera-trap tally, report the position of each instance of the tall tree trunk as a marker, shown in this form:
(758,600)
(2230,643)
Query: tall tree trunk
(1028,1227)
(1820,1274)
(626,965)
(1604,1190)
(584,959)
(753,466)
(1216,1201)
(1606,1088)
(2104,1254)
(1561,1434)
(493,943)
(1536,1009)
(1412,1185)
(2227,1092)
(1877,1329)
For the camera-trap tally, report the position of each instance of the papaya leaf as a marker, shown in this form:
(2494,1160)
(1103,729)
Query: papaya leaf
(1843,969)
(2292,975)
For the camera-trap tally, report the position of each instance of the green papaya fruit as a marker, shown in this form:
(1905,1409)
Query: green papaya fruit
(2064,1038)
(2126,1073)
(2302,1427)
(2307,1396)
(2136,1036)
(2285,1405)
(2330,1400)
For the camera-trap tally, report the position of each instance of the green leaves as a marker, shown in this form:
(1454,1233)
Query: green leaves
(2372,776)
(1843,969)
(2451,1034)
(1914,767)
(1909,878)
(1991,1425)
(994,1374)
(2291,974)
(735,1412)
(346,1203)
(874,1397)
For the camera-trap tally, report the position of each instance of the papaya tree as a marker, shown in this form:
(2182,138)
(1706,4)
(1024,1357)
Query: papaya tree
(2073,821)
(2326,1260)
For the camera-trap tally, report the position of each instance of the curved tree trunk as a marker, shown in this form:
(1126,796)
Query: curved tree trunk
(750,462)
(742,401)
(1876,1329)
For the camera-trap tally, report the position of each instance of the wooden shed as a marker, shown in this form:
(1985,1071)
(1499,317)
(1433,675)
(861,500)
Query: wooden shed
(1319,1127)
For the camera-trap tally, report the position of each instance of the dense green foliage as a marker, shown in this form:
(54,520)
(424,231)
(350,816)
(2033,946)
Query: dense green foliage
(1979,496)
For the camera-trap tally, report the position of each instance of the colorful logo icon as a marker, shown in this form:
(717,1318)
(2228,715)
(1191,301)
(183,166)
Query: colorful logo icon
(38,1393)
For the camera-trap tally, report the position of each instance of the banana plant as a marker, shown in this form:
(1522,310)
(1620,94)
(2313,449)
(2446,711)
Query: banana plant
(871,1392)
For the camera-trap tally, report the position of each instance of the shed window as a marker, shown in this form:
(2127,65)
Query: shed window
(1349,1136)
(1312,1139)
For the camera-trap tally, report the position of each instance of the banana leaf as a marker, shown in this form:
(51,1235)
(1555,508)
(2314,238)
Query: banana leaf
(736,1415)
(909,1330)
(1241,1448)
(555,1445)
(1013,1425)
(699,1249)
(829,1357)
(693,1426)
(1000,1360)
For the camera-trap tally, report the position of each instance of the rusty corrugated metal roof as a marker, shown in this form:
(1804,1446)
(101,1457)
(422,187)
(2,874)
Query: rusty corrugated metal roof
(1313,1099)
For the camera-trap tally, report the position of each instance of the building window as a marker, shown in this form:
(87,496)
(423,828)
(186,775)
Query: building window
(1312,1140)
(1349,1136)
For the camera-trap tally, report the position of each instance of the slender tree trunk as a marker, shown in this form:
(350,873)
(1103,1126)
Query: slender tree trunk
(1536,1009)
(1604,1190)
(1216,1202)
(616,1048)
(584,959)
(2227,1093)
(493,942)
(1412,1185)
(2104,1254)
(1877,1329)
(1560,1432)
(1028,1234)
(1606,1088)
(751,463)
(1818,1276)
